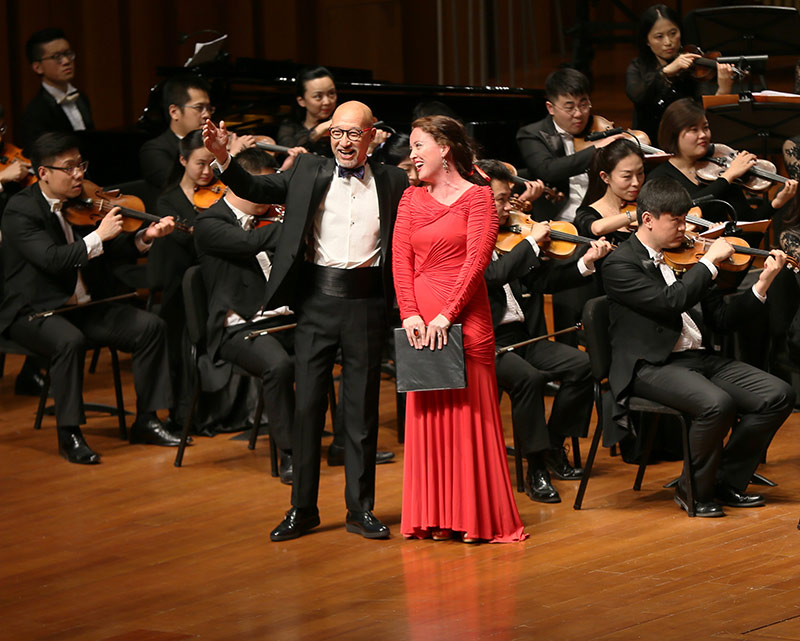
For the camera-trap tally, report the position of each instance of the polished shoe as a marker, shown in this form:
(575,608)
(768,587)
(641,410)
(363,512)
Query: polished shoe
(296,523)
(441,534)
(701,508)
(336,456)
(366,524)
(73,447)
(153,432)
(556,459)
(29,384)
(732,498)
(470,540)
(539,488)
(285,469)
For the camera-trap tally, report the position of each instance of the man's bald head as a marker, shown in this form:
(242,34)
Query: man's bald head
(351,120)
(353,111)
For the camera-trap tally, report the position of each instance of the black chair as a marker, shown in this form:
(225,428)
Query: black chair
(196,305)
(598,345)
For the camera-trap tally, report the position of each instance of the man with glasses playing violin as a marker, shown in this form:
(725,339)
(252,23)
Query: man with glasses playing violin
(51,264)
(332,266)
(58,106)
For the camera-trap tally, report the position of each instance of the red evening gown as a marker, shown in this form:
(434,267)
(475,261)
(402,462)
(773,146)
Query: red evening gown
(456,473)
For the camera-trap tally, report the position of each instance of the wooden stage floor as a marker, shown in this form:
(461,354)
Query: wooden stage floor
(138,550)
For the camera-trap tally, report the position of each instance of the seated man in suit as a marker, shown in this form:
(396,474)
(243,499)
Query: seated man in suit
(236,266)
(516,281)
(660,350)
(50,264)
(58,106)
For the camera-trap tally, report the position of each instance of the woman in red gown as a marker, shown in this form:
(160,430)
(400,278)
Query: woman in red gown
(455,476)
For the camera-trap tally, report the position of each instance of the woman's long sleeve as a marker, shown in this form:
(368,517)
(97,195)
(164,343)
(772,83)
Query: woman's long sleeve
(403,259)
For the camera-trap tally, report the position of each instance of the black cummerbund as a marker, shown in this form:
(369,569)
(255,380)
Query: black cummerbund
(361,282)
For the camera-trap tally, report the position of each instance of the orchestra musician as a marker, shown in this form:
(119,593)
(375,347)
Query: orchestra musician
(333,267)
(316,101)
(58,105)
(49,264)
(661,351)
(236,267)
(660,75)
(516,282)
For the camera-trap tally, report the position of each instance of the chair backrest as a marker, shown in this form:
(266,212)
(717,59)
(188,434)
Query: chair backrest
(195,304)
(595,331)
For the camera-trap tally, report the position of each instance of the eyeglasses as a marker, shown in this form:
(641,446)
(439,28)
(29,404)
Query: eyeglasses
(201,108)
(3,130)
(584,106)
(72,170)
(354,135)
(60,56)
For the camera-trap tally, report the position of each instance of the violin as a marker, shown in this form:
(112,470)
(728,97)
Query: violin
(206,196)
(94,203)
(605,127)
(11,154)
(551,193)
(758,178)
(695,247)
(705,67)
(563,242)
(274,214)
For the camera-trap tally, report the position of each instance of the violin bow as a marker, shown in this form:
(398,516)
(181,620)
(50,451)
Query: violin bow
(69,308)
(510,348)
(270,330)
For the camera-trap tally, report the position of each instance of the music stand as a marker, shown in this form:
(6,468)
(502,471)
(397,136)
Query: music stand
(749,29)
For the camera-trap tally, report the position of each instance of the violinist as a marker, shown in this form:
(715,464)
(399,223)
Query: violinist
(660,350)
(684,132)
(51,264)
(608,209)
(316,101)
(516,282)
(15,170)
(661,74)
(58,105)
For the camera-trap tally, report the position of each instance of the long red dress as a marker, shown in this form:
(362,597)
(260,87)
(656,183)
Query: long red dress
(456,474)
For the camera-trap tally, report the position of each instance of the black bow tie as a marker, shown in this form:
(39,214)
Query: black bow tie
(358,172)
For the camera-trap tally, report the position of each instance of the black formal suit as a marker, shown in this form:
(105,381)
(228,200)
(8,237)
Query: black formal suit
(645,324)
(328,321)
(543,151)
(158,159)
(524,372)
(235,282)
(43,114)
(41,272)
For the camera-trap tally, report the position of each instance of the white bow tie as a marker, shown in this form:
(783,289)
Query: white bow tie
(69,98)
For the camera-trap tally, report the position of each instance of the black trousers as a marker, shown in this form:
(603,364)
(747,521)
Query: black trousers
(62,339)
(720,394)
(269,358)
(524,373)
(324,323)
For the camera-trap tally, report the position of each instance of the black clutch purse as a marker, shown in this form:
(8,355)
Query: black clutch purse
(422,370)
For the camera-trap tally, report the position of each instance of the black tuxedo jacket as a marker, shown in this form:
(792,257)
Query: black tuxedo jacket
(545,157)
(529,277)
(41,268)
(302,189)
(43,114)
(158,159)
(232,275)
(645,313)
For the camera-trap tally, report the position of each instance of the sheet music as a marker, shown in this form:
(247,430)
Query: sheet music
(205,51)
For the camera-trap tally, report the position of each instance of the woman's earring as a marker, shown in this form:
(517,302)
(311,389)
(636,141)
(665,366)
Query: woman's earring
(445,165)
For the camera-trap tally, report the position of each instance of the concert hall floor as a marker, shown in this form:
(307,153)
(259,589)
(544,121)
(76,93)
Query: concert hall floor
(138,550)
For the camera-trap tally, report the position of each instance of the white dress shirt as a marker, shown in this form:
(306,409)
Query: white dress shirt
(577,184)
(70,108)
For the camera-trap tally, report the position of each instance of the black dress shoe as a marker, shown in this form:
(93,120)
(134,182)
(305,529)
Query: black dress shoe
(296,523)
(29,383)
(556,459)
(701,508)
(539,488)
(153,432)
(733,498)
(285,469)
(336,456)
(365,524)
(73,447)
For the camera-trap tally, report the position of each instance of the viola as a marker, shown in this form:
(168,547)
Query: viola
(695,247)
(758,178)
(705,67)
(11,154)
(206,196)
(563,242)
(94,203)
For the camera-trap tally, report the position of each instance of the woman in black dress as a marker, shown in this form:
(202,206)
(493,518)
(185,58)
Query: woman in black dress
(316,100)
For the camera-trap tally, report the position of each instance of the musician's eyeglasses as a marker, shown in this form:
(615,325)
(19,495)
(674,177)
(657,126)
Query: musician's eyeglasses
(71,170)
(60,56)
(353,135)
(584,106)
(202,107)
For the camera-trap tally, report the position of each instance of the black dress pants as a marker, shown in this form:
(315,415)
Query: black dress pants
(62,339)
(721,395)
